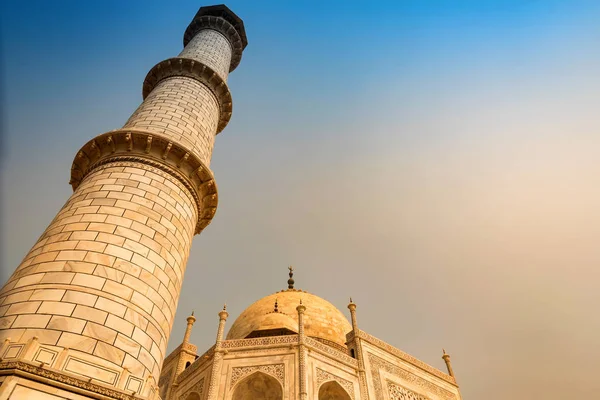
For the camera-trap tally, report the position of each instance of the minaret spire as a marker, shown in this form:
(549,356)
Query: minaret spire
(446,358)
(291,280)
(218,357)
(362,378)
(188,330)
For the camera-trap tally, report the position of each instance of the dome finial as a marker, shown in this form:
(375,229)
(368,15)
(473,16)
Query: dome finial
(291,280)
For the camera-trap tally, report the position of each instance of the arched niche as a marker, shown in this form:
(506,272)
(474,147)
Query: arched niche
(258,386)
(193,396)
(333,391)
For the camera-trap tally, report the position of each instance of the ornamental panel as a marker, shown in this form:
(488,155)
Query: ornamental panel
(197,389)
(324,376)
(379,364)
(397,392)
(274,370)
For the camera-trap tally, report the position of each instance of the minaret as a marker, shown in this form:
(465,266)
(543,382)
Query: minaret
(302,376)
(213,387)
(446,358)
(99,289)
(176,362)
(188,330)
(362,377)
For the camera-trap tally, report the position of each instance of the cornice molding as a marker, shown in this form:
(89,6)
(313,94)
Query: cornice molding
(404,356)
(137,146)
(222,26)
(64,381)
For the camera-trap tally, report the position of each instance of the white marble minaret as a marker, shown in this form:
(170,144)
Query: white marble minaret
(90,309)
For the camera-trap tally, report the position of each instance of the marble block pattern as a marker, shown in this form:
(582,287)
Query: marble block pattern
(95,298)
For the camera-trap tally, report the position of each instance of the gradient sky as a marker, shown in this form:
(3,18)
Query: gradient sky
(438,161)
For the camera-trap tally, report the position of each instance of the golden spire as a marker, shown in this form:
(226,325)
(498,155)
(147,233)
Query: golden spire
(223,314)
(291,280)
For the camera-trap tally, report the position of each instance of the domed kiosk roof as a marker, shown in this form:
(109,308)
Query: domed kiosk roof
(322,320)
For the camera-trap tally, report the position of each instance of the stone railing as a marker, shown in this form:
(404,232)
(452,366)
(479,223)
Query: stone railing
(290,340)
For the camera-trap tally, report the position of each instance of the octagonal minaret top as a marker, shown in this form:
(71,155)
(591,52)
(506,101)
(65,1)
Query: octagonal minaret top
(222,19)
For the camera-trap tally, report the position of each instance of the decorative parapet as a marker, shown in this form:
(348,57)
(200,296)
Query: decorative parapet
(196,70)
(329,343)
(200,361)
(157,151)
(331,352)
(404,356)
(269,341)
(190,348)
(277,371)
(286,341)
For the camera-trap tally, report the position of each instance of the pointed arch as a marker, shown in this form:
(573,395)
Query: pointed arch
(193,396)
(258,386)
(331,390)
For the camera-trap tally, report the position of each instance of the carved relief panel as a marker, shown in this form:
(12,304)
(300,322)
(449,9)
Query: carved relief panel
(397,392)
(195,392)
(380,368)
(324,377)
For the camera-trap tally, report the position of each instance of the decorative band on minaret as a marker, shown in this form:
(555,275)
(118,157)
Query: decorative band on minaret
(99,289)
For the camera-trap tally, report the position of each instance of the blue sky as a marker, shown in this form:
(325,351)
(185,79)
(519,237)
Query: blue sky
(435,160)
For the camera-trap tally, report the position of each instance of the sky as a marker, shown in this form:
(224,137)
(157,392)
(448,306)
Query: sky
(438,161)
